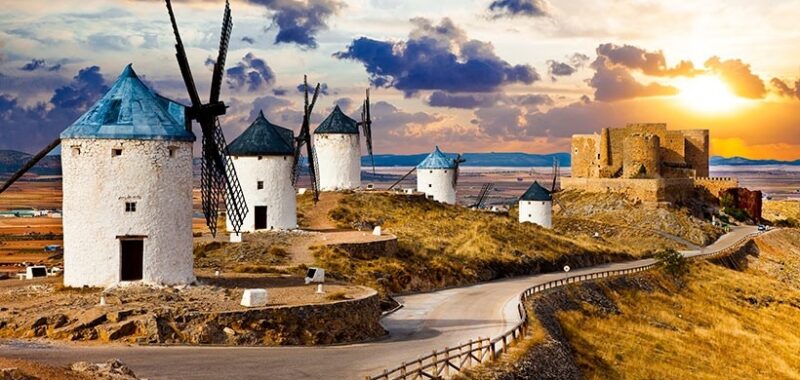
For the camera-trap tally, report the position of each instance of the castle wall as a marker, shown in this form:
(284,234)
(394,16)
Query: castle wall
(642,157)
(338,161)
(277,192)
(97,185)
(697,150)
(716,185)
(645,190)
(584,153)
(672,147)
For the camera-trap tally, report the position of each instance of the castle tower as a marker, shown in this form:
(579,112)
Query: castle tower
(127,198)
(338,149)
(536,206)
(641,156)
(263,156)
(435,177)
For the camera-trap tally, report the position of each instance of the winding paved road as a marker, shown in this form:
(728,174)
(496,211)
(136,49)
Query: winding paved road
(429,320)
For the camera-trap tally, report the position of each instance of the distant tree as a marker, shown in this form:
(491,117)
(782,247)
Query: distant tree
(726,201)
(673,263)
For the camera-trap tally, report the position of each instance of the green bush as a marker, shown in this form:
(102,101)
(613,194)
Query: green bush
(726,201)
(737,213)
(673,263)
(788,223)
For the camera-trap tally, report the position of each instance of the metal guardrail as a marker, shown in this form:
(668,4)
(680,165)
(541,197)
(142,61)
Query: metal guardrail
(443,363)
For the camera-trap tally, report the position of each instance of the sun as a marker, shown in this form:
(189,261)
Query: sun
(708,94)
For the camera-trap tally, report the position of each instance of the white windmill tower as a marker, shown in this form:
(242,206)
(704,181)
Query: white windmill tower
(263,156)
(437,176)
(536,206)
(127,201)
(337,145)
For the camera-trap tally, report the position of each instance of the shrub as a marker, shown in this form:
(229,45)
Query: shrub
(337,296)
(726,201)
(788,223)
(673,263)
(737,213)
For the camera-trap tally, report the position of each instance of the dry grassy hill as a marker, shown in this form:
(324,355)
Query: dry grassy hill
(782,211)
(616,210)
(734,319)
(442,245)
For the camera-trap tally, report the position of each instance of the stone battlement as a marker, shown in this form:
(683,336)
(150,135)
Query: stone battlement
(650,189)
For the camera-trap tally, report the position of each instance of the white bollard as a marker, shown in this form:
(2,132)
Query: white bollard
(216,273)
(319,289)
(102,300)
(376,231)
(254,298)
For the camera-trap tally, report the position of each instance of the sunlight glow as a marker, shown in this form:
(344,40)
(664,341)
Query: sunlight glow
(708,94)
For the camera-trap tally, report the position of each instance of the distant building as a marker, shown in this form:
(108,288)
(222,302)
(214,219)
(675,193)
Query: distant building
(127,199)
(436,177)
(536,206)
(263,156)
(337,146)
(647,162)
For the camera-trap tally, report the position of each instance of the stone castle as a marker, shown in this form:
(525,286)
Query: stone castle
(647,162)
(641,151)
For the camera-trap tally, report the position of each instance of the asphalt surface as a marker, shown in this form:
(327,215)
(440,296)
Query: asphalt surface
(428,321)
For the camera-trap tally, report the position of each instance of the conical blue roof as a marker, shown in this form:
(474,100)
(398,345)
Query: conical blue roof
(537,193)
(130,110)
(263,138)
(436,160)
(338,122)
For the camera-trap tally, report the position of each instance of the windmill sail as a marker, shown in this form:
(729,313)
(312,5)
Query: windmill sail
(366,126)
(218,175)
(304,138)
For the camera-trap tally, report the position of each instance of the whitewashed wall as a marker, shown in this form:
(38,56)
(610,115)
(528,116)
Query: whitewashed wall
(278,193)
(437,183)
(339,159)
(96,187)
(539,212)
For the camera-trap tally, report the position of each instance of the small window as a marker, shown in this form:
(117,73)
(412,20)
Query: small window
(116,152)
(431,171)
(529,215)
(259,157)
(172,150)
(76,150)
(284,158)
(430,185)
(598,156)
(130,206)
(445,171)
(260,185)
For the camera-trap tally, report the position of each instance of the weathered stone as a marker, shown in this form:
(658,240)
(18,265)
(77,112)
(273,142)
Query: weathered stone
(15,374)
(118,315)
(111,370)
(117,331)
(90,318)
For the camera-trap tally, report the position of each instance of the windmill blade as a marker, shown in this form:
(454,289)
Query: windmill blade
(402,178)
(30,164)
(366,125)
(183,62)
(219,180)
(219,66)
(456,170)
(306,132)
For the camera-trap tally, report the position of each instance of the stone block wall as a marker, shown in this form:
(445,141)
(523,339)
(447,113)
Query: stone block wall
(697,150)
(642,157)
(716,185)
(747,200)
(584,151)
(646,190)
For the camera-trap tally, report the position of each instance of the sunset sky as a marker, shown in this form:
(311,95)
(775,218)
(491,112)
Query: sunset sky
(469,75)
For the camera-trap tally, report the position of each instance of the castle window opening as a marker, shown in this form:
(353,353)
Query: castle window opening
(116,152)
(260,185)
(172,151)
(76,150)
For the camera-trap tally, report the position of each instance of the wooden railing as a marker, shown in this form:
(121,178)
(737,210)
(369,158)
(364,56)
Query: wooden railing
(444,363)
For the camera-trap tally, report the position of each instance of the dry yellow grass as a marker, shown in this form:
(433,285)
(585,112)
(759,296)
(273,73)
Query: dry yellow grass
(724,324)
(781,210)
(442,245)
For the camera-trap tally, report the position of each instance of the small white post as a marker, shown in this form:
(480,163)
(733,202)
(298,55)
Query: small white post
(319,289)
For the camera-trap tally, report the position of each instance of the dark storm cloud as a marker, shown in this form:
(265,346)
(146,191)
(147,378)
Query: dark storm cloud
(483,100)
(299,22)
(738,76)
(251,73)
(785,89)
(650,63)
(510,8)
(40,64)
(560,69)
(614,82)
(436,57)
(345,104)
(29,128)
(323,89)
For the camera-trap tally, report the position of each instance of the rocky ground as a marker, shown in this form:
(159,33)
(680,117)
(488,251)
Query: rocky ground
(15,369)
(143,314)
